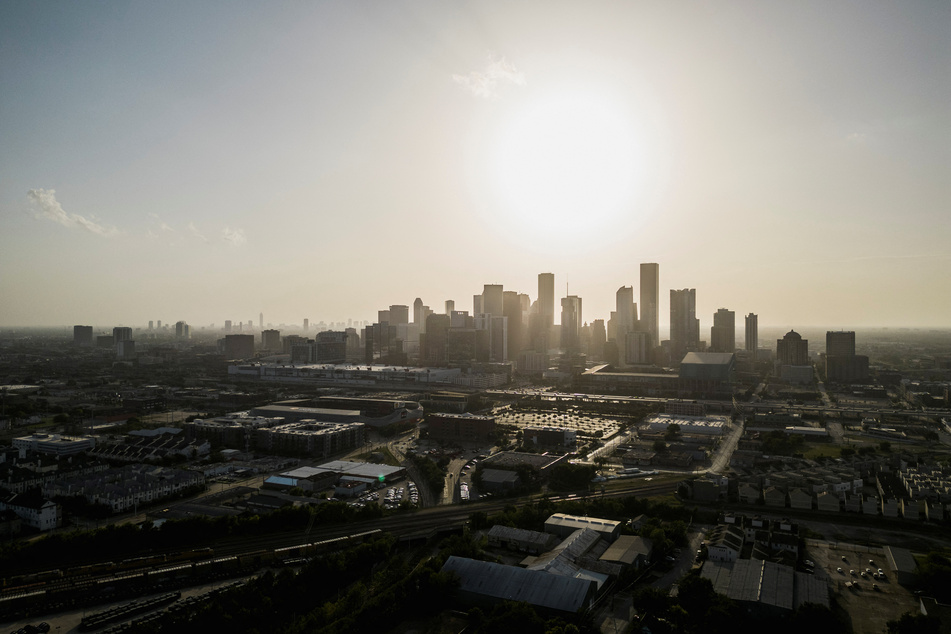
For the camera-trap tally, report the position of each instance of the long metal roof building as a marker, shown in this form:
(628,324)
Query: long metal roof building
(486,582)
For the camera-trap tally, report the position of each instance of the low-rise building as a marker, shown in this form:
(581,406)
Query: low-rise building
(774,497)
(459,427)
(829,502)
(725,543)
(125,488)
(630,550)
(550,436)
(483,583)
(748,493)
(521,540)
(33,510)
(563,525)
(54,444)
(800,499)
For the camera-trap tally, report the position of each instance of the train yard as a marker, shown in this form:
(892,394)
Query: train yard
(45,591)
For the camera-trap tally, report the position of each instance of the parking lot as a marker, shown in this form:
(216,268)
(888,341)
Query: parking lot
(869,599)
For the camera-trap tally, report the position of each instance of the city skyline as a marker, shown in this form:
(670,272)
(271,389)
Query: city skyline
(210,162)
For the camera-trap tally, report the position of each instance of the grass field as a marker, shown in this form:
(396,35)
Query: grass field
(819,450)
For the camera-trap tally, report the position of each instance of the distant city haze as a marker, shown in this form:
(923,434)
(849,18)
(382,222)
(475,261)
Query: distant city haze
(203,162)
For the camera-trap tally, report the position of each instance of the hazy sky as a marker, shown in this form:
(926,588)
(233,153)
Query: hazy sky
(204,161)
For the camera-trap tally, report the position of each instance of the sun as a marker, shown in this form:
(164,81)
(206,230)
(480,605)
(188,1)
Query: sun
(568,166)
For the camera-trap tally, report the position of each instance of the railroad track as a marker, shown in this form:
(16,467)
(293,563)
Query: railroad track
(422,521)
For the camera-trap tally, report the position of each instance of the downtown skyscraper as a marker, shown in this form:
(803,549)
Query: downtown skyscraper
(723,331)
(650,300)
(684,325)
(752,334)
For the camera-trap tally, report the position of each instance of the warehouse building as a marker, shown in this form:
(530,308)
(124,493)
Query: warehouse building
(520,539)
(483,583)
(564,525)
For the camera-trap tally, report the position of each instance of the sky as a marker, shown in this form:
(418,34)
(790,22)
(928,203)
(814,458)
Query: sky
(204,161)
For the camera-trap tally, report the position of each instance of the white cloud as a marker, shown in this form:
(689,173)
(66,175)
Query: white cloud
(196,232)
(234,237)
(158,227)
(483,83)
(49,208)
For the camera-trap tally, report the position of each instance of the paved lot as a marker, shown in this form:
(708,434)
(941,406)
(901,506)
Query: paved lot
(869,609)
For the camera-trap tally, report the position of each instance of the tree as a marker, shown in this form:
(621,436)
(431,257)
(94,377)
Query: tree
(885,446)
(673,432)
(660,446)
(813,617)
(913,624)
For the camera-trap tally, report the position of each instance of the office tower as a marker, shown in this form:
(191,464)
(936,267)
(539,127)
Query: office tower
(181,330)
(125,349)
(460,319)
(354,347)
(450,306)
(82,336)
(496,336)
(477,305)
(792,349)
(840,344)
(331,346)
(650,300)
(624,318)
(399,314)
(150,324)
(382,316)
(638,347)
(227,325)
(492,299)
(289,341)
(159,322)
(571,324)
(512,310)
(417,312)
(239,346)
(424,313)
(261,320)
(434,343)
(684,325)
(271,340)
(842,364)
(250,324)
(121,333)
(306,324)
(598,339)
(546,298)
(752,334)
(723,331)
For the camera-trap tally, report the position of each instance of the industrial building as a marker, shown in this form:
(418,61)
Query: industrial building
(563,525)
(764,587)
(689,425)
(483,583)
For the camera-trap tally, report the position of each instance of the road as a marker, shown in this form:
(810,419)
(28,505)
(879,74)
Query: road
(721,458)
(684,562)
